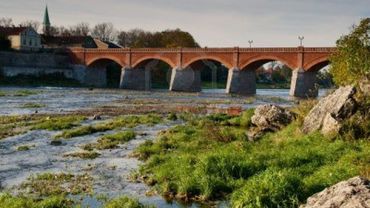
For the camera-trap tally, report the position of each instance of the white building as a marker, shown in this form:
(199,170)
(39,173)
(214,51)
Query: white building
(22,38)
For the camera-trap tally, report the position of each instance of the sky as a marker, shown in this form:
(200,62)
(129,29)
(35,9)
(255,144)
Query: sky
(213,23)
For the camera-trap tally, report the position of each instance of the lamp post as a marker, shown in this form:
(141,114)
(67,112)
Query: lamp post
(301,38)
(250,43)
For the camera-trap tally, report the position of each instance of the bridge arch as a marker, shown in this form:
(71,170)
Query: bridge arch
(256,62)
(146,59)
(317,64)
(104,59)
(207,58)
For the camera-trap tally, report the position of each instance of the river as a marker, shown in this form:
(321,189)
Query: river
(112,168)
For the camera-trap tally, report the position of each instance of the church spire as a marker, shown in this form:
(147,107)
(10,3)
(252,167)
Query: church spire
(46,22)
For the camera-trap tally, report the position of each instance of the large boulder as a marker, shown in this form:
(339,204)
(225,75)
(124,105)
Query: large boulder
(329,114)
(269,118)
(353,193)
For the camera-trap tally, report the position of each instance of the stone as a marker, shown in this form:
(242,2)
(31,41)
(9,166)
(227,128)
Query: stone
(353,193)
(56,142)
(271,117)
(268,118)
(96,117)
(329,114)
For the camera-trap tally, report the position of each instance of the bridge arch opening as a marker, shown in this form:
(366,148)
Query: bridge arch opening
(158,71)
(270,73)
(321,69)
(213,73)
(108,70)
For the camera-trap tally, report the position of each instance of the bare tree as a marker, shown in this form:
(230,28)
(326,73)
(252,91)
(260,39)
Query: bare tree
(6,22)
(81,29)
(31,23)
(104,31)
(63,31)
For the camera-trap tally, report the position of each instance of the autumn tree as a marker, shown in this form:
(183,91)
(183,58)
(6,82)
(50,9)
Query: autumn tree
(351,62)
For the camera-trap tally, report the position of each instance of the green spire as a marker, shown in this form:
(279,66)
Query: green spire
(46,18)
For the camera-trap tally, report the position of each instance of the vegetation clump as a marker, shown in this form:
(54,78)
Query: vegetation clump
(9,201)
(111,141)
(119,122)
(54,184)
(57,123)
(125,202)
(210,159)
(33,105)
(23,148)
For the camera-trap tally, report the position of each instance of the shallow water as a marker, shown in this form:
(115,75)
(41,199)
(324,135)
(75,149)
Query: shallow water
(57,100)
(110,170)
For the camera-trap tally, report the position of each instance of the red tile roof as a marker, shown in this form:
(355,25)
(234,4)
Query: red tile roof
(11,30)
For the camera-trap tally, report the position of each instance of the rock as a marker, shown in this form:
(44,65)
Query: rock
(96,117)
(271,117)
(353,193)
(56,142)
(330,112)
(268,118)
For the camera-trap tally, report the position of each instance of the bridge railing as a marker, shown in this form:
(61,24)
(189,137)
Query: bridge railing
(195,50)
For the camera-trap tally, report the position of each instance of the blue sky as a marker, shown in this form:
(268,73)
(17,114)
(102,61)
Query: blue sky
(213,23)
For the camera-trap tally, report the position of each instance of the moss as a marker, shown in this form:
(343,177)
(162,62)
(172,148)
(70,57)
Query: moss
(54,184)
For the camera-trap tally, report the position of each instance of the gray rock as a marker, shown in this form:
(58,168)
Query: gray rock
(353,193)
(330,112)
(96,117)
(268,118)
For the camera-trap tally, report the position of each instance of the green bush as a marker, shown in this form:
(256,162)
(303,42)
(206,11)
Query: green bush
(351,62)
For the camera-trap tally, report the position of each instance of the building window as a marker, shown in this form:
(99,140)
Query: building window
(24,42)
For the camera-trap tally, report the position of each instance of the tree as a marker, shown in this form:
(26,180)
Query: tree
(104,31)
(31,23)
(81,29)
(351,62)
(6,22)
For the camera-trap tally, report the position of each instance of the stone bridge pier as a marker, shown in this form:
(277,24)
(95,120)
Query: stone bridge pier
(135,79)
(241,82)
(304,83)
(185,80)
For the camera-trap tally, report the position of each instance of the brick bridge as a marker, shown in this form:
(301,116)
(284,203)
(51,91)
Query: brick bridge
(241,62)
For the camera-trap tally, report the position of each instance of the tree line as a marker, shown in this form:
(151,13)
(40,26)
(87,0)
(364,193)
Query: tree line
(135,38)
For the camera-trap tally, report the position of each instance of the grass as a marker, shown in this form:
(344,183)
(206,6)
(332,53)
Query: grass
(116,123)
(54,184)
(111,141)
(210,158)
(33,105)
(87,155)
